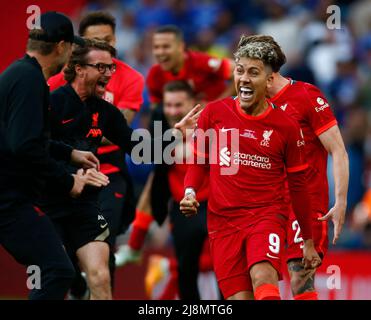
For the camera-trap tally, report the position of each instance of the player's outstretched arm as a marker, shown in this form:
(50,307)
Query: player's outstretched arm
(331,139)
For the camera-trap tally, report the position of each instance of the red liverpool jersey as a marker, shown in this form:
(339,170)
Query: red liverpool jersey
(268,146)
(124,90)
(307,105)
(206,75)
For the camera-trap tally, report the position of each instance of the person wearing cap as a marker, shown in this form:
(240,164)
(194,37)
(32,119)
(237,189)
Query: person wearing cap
(27,157)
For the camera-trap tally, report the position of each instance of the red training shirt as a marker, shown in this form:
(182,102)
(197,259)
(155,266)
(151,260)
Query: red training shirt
(206,75)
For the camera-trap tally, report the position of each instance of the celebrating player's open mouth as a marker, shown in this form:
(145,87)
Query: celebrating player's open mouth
(246,93)
(168,49)
(100,86)
(251,80)
(164,61)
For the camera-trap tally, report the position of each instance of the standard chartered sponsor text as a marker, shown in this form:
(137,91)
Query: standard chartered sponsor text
(252,160)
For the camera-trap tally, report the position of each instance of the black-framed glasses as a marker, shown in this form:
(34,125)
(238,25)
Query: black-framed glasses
(102,67)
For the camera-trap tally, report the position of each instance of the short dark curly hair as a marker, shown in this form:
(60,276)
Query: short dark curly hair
(96,18)
(79,56)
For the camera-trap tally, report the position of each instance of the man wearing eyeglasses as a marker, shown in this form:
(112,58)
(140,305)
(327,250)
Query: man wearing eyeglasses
(124,90)
(80,117)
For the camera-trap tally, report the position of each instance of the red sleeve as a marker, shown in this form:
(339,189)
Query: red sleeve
(219,66)
(301,202)
(195,176)
(56,81)
(196,172)
(318,109)
(154,85)
(295,153)
(131,97)
(225,70)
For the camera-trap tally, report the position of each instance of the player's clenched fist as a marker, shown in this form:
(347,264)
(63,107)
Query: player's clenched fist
(189,205)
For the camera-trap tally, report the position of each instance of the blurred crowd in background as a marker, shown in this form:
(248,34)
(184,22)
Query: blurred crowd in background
(338,61)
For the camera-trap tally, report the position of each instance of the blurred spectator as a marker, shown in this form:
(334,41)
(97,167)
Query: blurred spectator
(150,13)
(206,42)
(127,36)
(361,219)
(251,12)
(297,68)
(343,88)
(206,13)
(281,26)
(360,17)
(362,212)
(324,47)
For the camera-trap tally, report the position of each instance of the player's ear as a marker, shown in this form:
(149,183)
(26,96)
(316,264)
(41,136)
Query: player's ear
(79,71)
(58,48)
(270,80)
(113,42)
(182,46)
(61,47)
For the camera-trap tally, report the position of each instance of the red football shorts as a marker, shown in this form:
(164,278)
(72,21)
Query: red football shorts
(236,246)
(295,241)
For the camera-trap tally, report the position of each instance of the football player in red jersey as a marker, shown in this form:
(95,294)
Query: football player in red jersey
(247,210)
(306,103)
(207,76)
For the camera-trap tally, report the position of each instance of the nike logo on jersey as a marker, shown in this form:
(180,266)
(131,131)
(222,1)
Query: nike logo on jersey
(270,256)
(226,130)
(283,107)
(100,217)
(103,225)
(67,121)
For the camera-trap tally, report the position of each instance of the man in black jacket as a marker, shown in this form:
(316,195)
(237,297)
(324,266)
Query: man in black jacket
(26,157)
(80,118)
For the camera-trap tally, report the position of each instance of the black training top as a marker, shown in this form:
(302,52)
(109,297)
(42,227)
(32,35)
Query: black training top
(82,124)
(25,149)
